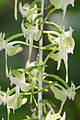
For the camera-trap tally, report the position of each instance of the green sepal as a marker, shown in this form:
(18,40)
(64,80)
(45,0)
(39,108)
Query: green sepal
(37,35)
(59,93)
(12,50)
(57,3)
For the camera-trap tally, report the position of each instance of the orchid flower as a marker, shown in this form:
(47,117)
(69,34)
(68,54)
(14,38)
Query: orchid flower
(31,32)
(12,101)
(19,80)
(55,116)
(66,46)
(9,47)
(62,3)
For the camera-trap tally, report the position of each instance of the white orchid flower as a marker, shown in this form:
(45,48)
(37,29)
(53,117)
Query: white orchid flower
(20,82)
(12,101)
(33,72)
(66,45)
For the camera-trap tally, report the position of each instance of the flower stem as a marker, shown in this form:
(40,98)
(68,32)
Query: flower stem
(40,62)
(56,26)
(6,66)
(14,37)
(52,32)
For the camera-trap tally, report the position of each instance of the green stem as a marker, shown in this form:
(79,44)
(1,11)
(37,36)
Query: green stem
(77,88)
(35,101)
(48,6)
(56,26)
(66,65)
(8,114)
(48,56)
(52,10)
(14,37)
(52,32)
(64,13)
(6,66)
(15,10)
(39,91)
(59,79)
(30,52)
(11,91)
(31,12)
(62,104)
(40,63)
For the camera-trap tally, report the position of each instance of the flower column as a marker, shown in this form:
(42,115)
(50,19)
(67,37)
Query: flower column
(40,62)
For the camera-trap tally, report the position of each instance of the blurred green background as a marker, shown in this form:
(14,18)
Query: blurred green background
(10,27)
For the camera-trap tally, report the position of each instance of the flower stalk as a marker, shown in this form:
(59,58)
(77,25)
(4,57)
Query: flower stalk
(40,62)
